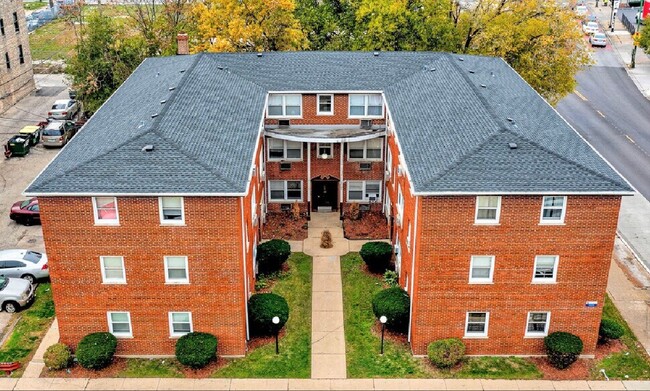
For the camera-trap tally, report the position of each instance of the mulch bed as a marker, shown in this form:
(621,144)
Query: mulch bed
(119,365)
(372,225)
(605,349)
(284,226)
(579,370)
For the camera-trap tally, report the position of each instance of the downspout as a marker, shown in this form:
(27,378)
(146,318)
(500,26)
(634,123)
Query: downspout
(415,235)
(243,231)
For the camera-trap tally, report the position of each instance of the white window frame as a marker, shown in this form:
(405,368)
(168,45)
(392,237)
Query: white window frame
(365,152)
(284,157)
(552,222)
(285,199)
(176,281)
(110,324)
(487,221)
(400,205)
(479,280)
(408,238)
(318,112)
(163,221)
(364,191)
(106,280)
(530,334)
(484,334)
(173,334)
(546,280)
(324,145)
(253,205)
(284,107)
(389,162)
(99,221)
(365,110)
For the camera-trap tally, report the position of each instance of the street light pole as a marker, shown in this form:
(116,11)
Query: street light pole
(611,19)
(636,31)
(383,320)
(275,321)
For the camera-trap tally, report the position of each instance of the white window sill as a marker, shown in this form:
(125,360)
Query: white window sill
(535,282)
(475,337)
(113,282)
(552,223)
(107,224)
(118,336)
(177,336)
(486,223)
(170,224)
(325,114)
(481,282)
(535,336)
(177,283)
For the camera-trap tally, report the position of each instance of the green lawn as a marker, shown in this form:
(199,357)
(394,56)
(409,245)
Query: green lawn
(30,329)
(361,344)
(34,5)
(497,368)
(294,360)
(142,367)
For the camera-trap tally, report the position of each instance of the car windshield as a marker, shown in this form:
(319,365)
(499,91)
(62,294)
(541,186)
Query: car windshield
(53,132)
(24,204)
(33,256)
(592,24)
(3,282)
(601,36)
(58,106)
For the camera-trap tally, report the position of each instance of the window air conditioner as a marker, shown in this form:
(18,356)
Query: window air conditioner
(366,124)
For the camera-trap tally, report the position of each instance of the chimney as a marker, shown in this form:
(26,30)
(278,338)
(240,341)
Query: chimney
(183,44)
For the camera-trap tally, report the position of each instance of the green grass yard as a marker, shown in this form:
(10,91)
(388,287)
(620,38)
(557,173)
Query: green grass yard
(34,5)
(142,367)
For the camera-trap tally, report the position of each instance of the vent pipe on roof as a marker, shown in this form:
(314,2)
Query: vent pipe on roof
(172,88)
(483,86)
(154,115)
(147,148)
(471,71)
(461,59)
(259,54)
(183,46)
(512,145)
(375,54)
(510,119)
(162,102)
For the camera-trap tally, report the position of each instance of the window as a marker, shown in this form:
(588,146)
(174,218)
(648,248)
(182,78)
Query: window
(171,210)
(7,60)
(537,324)
(365,150)
(2,27)
(476,324)
(545,269)
(389,162)
(481,269)
(180,323)
(112,270)
(400,205)
(366,105)
(21,55)
(325,105)
(253,206)
(408,238)
(364,190)
(487,209)
(553,208)
(285,105)
(325,150)
(119,324)
(176,270)
(284,150)
(105,210)
(285,190)
(16,24)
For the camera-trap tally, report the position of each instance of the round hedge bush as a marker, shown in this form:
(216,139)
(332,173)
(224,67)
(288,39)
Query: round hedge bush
(562,348)
(377,256)
(271,255)
(262,307)
(57,356)
(96,350)
(445,353)
(196,350)
(394,304)
(610,329)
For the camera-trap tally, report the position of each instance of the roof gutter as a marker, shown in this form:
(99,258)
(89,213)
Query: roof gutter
(465,193)
(117,194)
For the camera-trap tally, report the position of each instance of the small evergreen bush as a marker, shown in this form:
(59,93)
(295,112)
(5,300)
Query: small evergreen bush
(377,256)
(610,329)
(262,307)
(57,356)
(196,350)
(445,353)
(271,255)
(96,350)
(562,348)
(394,304)
(391,278)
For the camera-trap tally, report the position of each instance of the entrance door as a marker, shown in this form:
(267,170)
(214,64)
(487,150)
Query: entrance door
(324,195)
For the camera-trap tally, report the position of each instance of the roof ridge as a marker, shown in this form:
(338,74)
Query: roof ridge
(213,59)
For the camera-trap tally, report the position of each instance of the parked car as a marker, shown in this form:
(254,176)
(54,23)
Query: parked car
(58,133)
(26,212)
(64,109)
(590,27)
(15,293)
(26,264)
(598,39)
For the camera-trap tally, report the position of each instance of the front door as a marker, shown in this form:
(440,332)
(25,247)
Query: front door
(324,195)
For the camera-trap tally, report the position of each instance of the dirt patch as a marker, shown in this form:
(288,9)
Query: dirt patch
(371,225)
(284,226)
(610,347)
(579,370)
(76,370)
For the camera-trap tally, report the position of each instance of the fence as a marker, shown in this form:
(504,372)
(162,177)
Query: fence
(629,26)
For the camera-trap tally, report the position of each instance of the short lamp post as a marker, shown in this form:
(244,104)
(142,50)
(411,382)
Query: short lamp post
(383,320)
(276,321)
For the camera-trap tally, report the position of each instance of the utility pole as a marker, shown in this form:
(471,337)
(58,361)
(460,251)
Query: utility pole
(611,19)
(636,31)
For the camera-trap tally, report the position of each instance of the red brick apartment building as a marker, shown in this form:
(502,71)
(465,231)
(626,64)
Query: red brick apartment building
(502,216)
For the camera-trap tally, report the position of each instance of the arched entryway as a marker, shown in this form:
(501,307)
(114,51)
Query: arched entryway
(324,194)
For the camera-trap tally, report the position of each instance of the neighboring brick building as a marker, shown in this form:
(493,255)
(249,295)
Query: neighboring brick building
(503,218)
(16,75)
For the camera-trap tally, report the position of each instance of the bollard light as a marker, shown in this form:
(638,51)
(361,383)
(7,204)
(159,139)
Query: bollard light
(276,321)
(383,321)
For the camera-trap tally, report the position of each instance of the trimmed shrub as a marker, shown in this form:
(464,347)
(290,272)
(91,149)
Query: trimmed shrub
(391,278)
(57,356)
(196,350)
(377,255)
(445,353)
(272,254)
(262,307)
(610,329)
(394,304)
(96,350)
(562,348)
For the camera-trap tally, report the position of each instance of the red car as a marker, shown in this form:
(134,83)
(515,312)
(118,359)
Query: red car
(26,212)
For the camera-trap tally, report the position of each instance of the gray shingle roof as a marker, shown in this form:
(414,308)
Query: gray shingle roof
(451,119)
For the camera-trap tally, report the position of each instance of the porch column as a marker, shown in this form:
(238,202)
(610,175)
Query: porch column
(308,198)
(341,176)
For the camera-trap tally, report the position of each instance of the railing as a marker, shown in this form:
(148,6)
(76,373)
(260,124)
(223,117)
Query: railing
(629,26)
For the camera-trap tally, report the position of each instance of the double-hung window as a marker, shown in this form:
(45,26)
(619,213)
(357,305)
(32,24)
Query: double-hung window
(537,324)
(553,210)
(487,209)
(112,270)
(481,269)
(365,150)
(105,211)
(21,54)
(285,105)
(476,324)
(7,60)
(325,105)
(176,271)
(400,205)
(16,22)
(284,150)
(364,190)
(119,324)
(2,27)
(171,210)
(325,151)
(366,105)
(180,323)
(285,191)
(545,271)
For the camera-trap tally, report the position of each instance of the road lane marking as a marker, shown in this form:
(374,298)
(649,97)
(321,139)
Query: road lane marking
(630,138)
(580,95)
(601,114)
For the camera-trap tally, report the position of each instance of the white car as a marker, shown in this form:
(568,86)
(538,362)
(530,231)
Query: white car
(598,39)
(590,28)
(26,264)
(64,109)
